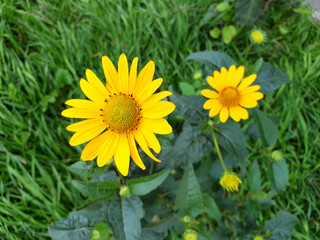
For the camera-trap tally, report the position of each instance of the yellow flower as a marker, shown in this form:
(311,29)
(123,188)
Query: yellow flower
(230,181)
(232,95)
(119,114)
(257,36)
(190,234)
(197,75)
(258,238)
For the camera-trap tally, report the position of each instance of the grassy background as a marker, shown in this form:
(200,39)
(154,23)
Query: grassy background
(40,41)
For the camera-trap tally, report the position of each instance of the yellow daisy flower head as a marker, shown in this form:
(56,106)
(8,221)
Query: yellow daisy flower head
(258,238)
(257,36)
(119,114)
(230,181)
(231,95)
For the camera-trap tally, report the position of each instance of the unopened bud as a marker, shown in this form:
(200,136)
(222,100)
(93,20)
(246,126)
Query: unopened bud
(190,234)
(186,219)
(276,156)
(258,238)
(124,191)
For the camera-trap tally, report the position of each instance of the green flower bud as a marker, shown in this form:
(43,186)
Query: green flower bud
(186,219)
(276,156)
(95,235)
(190,234)
(258,238)
(124,191)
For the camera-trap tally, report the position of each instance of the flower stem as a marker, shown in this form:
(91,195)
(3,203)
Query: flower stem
(248,50)
(218,150)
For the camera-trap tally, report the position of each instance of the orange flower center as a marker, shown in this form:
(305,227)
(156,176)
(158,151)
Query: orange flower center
(229,97)
(121,113)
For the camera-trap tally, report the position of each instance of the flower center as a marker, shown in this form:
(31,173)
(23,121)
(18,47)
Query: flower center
(257,36)
(229,97)
(121,113)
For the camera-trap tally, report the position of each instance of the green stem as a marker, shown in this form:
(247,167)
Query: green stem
(248,50)
(218,150)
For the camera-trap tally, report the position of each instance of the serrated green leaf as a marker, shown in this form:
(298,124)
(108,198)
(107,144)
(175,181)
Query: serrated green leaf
(87,169)
(228,33)
(254,177)
(281,175)
(267,129)
(210,207)
(213,59)
(186,88)
(124,216)
(189,196)
(158,230)
(248,11)
(144,185)
(270,78)
(97,190)
(281,226)
(79,224)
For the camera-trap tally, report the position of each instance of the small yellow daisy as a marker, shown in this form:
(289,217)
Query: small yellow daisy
(230,181)
(257,36)
(119,114)
(232,95)
(258,238)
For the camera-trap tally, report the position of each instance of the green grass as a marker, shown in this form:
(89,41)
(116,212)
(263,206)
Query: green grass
(38,39)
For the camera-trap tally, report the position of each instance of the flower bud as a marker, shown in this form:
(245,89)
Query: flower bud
(258,238)
(276,156)
(190,234)
(230,181)
(186,219)
(124,191)
(257,36)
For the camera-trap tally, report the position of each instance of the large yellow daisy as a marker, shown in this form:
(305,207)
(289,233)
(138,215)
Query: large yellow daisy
(232,95)
(119,114)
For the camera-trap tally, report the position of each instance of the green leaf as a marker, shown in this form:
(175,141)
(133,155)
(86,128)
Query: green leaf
(280,174)
(158,230)
(189,196)
(79,224)
(223,6)
(248,11)
(270,78)
(196,84)
(281,226)
(63,77)
(213,59)
(190,107)
(97,190)
(254,177)
(124,216)
(190,145)
(228,33)
(144,185)
(186,88)
(283,29)
(215,33)
(231,138)
(87,169)
(101,231)
(267,129)
(209,14)
(303,11)
(210,207)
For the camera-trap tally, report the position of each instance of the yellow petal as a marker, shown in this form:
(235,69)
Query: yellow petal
(230,75)
(134,152)
(255,95)
(142,143)
(149,90)
(92,149)
(235,113)
(247,82)
(108,149)
(248,103)
(155,98)
(133,75)
(122,155)
(144,77)
(243,113)
(158,110)
(250,89)
(110,73)
(82,103)
(150,138)
(91,92)
(81,113)
(123,73)
(96,83)
(159,126)
(238,75)
(215,110)
(224,114)
(83,124)
(209,93)
(211,103)
(86,134)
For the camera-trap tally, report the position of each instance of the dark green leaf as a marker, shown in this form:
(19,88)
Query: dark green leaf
(270,78)
(248,11)
(281,175)
(79,224)
(186,88)
(87,169)
(268,130)
(124,215)
(189,196)
(210,207)
(97,190)
(191,107)
(158,230)
(213,59)
(144,185)
(281,226)
(254,177)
